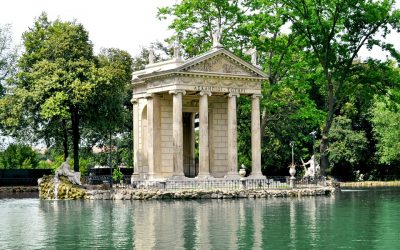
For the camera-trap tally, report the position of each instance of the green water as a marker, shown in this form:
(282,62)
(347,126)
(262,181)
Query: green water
(359,219)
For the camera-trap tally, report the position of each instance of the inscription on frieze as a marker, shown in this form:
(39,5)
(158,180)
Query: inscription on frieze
(220,89)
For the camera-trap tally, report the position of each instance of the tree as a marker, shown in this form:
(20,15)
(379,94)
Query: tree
(335,31)
(161,52)
(386,128)
(196,20)
(109,112)
(287,108)
(347,147)
(57,74)
(18,156)
(8,56)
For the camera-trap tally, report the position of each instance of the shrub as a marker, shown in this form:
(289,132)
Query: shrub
(19,156)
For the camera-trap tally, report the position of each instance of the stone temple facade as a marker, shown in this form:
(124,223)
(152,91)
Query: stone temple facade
(170,98)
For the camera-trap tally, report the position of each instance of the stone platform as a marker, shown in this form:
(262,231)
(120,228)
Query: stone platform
(154,194)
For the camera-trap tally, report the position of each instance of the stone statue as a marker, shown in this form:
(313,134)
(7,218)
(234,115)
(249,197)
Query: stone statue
(313,169)
(253,53)
(216,36)
(177,49)
(151,56)
(64,170)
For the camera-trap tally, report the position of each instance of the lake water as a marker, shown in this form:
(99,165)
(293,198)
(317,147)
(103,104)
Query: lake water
(353,219)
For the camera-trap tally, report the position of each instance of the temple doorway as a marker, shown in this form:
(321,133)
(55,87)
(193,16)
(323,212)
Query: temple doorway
(190,144)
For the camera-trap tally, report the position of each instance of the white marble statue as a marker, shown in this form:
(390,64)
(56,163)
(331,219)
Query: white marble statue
(177,49)
(313,169)
(151,56)
(216,36)
(253,53)
(64,170)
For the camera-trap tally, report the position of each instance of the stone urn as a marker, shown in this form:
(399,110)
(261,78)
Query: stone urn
(292,170)
(242,171)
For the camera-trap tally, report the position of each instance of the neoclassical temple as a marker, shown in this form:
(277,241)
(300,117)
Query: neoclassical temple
(171,98)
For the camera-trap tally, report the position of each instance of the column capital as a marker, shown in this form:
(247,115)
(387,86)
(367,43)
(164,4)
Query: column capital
(256,96)
(230,94)
(134,100)
(150,95)
(177,91)
(205,92)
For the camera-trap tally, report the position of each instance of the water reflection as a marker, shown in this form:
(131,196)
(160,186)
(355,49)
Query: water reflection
(349,220)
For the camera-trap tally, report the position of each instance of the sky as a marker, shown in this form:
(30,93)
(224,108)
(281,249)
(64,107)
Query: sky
(123,24)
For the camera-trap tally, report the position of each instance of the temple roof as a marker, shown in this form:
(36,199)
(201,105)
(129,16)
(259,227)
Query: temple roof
(216,62)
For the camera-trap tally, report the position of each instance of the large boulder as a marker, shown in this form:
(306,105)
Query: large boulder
(63,190)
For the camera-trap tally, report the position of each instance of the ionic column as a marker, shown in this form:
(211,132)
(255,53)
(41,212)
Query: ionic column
(135,120)
(232,136)
(153,133)
(204,152)
(177,134)
(255,138)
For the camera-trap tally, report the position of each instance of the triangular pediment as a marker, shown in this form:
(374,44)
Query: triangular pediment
(221,62)
(215,63)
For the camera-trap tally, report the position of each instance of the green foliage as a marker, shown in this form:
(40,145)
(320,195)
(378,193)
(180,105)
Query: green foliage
(161,52)
(18,156)
(8,56)
(62,89)
(194,21)
(308,49)
(336,31)
(386,127)
(55,82)
(117,175)
(347,146)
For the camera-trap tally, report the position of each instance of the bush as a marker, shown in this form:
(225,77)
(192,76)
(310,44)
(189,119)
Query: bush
(19,156)
(117,175)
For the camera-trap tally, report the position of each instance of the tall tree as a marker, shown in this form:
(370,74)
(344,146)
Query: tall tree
(109,112)
(8,56)
(56,80)
(195,21)
(335,31)
(385,120)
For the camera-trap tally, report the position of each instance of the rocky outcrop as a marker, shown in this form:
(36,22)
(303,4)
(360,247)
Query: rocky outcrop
(64,190)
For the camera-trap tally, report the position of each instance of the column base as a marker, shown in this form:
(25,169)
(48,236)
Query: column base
(151,177)
(256,176)
(204,176)
(178,177)
(232,175)
(135,177)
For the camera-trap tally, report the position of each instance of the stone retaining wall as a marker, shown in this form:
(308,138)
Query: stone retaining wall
(146,194)
(19,189)
(371,184)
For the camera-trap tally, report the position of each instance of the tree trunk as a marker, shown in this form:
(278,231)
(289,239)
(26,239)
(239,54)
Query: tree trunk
(109,157)
(323,149)
(75,137)
(65,139)
(324,154)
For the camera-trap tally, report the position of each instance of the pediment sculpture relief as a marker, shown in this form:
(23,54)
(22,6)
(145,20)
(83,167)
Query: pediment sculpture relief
(220,65)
